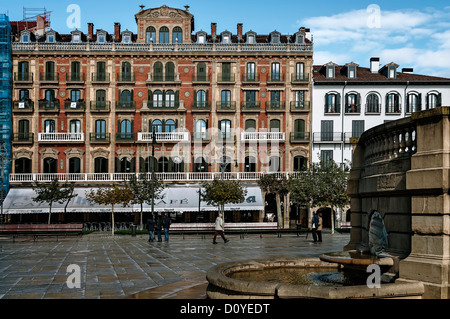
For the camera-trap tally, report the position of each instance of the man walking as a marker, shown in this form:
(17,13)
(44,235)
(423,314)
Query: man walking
(150,227)
(220,228)
(166,226)
(314,226)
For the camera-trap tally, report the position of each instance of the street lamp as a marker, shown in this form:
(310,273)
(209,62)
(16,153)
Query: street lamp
(153,172)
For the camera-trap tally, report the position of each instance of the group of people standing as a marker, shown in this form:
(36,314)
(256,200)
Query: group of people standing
(316,227)
(162,223)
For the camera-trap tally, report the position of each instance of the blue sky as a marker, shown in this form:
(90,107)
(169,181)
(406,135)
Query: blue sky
(411,33)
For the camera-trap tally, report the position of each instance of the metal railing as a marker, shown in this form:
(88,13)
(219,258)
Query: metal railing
(61,137)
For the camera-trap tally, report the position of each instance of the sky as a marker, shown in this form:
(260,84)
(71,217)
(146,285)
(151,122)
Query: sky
(414,34)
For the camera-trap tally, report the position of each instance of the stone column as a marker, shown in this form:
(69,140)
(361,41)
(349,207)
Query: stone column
(429,182)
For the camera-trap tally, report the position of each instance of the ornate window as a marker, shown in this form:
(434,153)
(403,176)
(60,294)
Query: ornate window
(177,35)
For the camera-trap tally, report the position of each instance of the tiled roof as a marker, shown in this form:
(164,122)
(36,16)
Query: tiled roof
(365,75)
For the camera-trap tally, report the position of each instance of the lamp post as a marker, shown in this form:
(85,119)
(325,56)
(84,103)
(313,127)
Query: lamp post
(153,173)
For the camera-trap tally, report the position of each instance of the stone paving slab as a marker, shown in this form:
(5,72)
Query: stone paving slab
(126,267)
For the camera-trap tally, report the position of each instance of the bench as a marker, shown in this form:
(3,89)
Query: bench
(345,225)
(36,230)
(206,228)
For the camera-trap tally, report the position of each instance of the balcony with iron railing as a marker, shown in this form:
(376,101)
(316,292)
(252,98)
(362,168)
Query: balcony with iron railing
(100,137)
(23,78)
(125,106)
(300,78)
(263,136)
(276,78)
(226,106)
(250,78)
(300,137)
(75,78)
(100,106)
(161,106)
(300,106)
(23,106)
(125,137)
(226,78)
(250,106)
(275,106)
(48,106)
(48,78)
(125,78)
(203,137)
(200,78)
(163,137)
(201,106)
(74,106)
(100,78)
(328,137)
(61,137)
(161,78)
(23,138)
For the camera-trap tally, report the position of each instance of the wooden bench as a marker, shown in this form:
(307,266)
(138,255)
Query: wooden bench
(36,230)
(345,225)
(207,228)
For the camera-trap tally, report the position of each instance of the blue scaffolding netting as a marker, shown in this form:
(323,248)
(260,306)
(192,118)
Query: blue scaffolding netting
(5,104)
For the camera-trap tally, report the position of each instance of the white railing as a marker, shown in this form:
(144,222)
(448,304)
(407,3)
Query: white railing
(166,177)
(163,136)
(146,47)
(61,137)
(263,136)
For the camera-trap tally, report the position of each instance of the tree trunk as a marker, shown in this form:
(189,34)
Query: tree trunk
(142,212)
(50,213)
(279,214)
(332,220)
(112,220)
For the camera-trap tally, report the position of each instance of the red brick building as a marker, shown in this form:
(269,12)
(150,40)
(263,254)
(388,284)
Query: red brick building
(86,105)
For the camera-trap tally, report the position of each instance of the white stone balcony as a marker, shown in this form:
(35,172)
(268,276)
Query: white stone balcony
(263,136)
(163,137)
(61,137)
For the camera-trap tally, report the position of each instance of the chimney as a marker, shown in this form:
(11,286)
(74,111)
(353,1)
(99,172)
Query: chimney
(213,29)
(408,70)
(90,30)
(239,31)
(117,30)
(374,65)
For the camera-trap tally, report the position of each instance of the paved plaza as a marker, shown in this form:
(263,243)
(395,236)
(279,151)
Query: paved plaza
(124,266)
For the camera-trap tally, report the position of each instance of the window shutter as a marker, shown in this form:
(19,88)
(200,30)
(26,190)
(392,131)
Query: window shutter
(439,101)
(133,165)
(419,102)
(326,102)
(117,165)
(176,123)
(132,94)
(177,98)
(142,165)
(338,103)
(387,103)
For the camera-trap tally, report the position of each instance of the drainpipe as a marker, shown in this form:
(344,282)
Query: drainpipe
(343,112)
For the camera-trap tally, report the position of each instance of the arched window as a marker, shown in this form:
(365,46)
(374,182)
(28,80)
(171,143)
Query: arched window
(250,125)
(170,71)
(274,164)
(100,165)
(433,100)
(250,164)
(157,98)
(332,103)
(393,104)
(158,71)
(200,130)
(275,126)
(75,165)
(150,35)
(353,103)
(125,165)
(150,165)
(169,126)
(177,35)
(200,99)
(200,165)
(300,163)
(170,98)
(75,126)
(125,98)
(373,103)
(176,165)
(125,130)
(49,126)
(157,126)
(50,165)
(22,165)
(163,165)
(413,103)
(164,35)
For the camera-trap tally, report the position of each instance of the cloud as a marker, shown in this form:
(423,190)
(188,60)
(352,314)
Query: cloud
(411,38)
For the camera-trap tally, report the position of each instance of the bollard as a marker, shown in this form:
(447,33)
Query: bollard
(133,230)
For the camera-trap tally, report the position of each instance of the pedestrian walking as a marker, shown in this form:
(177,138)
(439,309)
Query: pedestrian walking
(220,228)
(314,226)
(319,228)
(166,225)
(158,227)
(150,228)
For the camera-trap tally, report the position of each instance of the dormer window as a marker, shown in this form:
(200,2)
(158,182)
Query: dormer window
(101,36)
(25,36)
(226,37)
(351,71)
(76,36)
(275,37)
(201,37)
(300,38)
(330,71)
(392,72)
(251,37)
(51,37)
(126,36)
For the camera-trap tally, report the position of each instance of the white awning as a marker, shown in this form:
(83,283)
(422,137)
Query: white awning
(176,199)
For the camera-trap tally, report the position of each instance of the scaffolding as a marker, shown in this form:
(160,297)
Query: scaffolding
(5,105)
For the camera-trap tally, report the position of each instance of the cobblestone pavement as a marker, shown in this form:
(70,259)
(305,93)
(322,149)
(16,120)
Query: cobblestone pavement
(124,266)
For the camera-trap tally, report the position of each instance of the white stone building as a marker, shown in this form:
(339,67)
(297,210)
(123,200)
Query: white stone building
(349,99)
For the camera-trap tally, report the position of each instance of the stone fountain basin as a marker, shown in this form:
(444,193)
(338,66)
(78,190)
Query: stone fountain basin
(355,258)
(221,286)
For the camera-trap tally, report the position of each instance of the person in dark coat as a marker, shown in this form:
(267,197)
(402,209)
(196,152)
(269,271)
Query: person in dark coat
(166,225)
(158,227)
(150,228)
